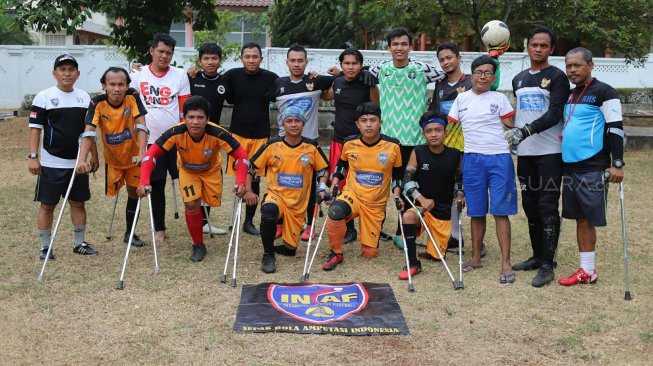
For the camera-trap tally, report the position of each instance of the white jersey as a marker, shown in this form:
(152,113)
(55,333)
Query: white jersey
(160,95)
(480,116)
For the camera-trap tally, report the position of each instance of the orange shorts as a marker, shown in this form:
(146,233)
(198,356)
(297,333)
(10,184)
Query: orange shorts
(370,218)
(293,221)
(204,185)
(251,146)
(440,229)
(115,178)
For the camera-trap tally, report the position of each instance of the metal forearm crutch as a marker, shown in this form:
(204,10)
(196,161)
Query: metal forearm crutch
(627,296)
(428,232)
(121,281)
(223,278)
(460,284)
(156,258)
(411,288)
(303,278)
(113,214)
(174,198)
(206,214)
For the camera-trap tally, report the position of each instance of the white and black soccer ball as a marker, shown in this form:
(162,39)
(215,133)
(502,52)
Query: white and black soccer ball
(495,34)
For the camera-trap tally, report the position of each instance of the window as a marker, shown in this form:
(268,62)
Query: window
(245,34)
(178,32)
(54,40)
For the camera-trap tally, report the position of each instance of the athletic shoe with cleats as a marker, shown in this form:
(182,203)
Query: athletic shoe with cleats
(137,241)
(268,263)
(527,265)
(398,242)
(350,235)
(250,229)
(206,229)
(332,261)
(307,233)
(579,277)
(84,249)
(44,252)
(279,232)
(199,251)
(414,270)
(545,275)
(283,250)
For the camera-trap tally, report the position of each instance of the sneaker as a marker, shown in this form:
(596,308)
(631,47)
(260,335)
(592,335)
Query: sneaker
(332,261)
(137,242)
(206,229)
(44,252)
(544,276)
(84,249)
(527,265)
(452,245)
(279,232)
(579,277)
(268,261)
(398,242)
(250,229)
(283,250)
(385,236)
(350,235)
(307,233)
(199,251)
(414,270)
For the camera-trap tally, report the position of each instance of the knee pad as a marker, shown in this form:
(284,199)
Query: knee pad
(269,213)
(339,210)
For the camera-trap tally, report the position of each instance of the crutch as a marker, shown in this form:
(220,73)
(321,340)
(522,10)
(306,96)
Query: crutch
(149,202)
(460,284)
(206,214)
(113,214)
(308,246)
(174,198)
(233,214)
(121,281)
(411,288)
(428,232)
(627,296)
(223,278)
(233,275)
(63,208)
(334,194)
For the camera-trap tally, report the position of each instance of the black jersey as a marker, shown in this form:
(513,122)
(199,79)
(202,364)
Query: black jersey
(251,95)
(211,88)
(445,93)
(436,176)
(347,96)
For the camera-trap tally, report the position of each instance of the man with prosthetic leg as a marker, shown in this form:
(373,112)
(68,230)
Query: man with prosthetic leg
(198,143)
(374,163)
(289,164)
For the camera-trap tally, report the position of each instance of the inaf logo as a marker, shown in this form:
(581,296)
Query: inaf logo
(156,95)
(318,303)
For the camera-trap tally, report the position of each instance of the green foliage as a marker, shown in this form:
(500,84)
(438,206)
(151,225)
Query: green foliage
(142,18)
(226,23)
(26,104)
(11,31)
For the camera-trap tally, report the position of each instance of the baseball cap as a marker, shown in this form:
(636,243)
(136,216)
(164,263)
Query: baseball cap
(65,58)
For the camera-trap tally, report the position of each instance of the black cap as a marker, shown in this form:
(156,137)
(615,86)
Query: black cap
(65,58)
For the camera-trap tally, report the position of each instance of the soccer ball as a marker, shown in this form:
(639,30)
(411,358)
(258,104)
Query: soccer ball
(495,34)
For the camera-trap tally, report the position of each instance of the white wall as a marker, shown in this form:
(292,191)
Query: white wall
(28,69)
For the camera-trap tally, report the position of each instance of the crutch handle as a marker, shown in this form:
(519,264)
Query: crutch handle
(147,189)
(398,203)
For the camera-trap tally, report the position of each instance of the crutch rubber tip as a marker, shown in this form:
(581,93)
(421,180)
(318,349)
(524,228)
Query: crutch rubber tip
(108,237)
(156,269)
(231,228)
(40,279)
(233,282)
(627,296)
(457,285)
(303,279)
(176,215)
(411,288)
(120,285)
(223,279)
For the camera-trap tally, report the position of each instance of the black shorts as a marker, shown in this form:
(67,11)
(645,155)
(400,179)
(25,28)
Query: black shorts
(164,165)
(53,183)
(584,197)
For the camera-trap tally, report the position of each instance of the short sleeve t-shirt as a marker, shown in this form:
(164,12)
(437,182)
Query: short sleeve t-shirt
(304,94)
(480,116)
(212,88)
(61,117)
(160,95)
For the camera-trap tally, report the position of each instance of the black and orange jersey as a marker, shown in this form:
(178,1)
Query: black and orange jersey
(371,167)
(198,156)
(118,126)
(289,169)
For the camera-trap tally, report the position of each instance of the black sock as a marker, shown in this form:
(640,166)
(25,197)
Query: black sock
(250,211)
(130,213)
(350,225)
(159,204)
(268,230)
(204,214)
(410,231)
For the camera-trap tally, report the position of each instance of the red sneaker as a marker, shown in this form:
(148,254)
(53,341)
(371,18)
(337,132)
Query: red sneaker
(277,235)
(332,261)
(414,270)
(579,277)
(307,233)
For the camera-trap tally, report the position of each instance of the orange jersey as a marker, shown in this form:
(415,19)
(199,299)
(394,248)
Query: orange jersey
(290,169)
(371,168)
(118,127)
(202,155)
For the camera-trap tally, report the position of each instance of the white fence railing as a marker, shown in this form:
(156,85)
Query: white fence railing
(27,69)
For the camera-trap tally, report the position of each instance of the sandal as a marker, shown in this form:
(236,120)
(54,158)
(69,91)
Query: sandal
(506,278)
(468,267)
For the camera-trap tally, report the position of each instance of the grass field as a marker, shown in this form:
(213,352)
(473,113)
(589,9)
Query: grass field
(184,315)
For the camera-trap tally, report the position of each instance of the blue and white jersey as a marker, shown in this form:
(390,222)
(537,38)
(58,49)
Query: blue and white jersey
(588,120)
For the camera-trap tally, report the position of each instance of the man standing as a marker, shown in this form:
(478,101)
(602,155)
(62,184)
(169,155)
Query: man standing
(59,112)
(250,89)
(163,90)
(488,169)
(348,91)
(541,93)
(592,146)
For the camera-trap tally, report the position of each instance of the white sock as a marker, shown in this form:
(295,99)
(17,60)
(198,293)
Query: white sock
(587,261)
(454,222)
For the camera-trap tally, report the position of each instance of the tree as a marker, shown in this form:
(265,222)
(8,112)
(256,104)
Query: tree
(225,25)
(141,18)
(12,33)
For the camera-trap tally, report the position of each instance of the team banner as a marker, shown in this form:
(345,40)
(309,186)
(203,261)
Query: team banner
(345,309)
